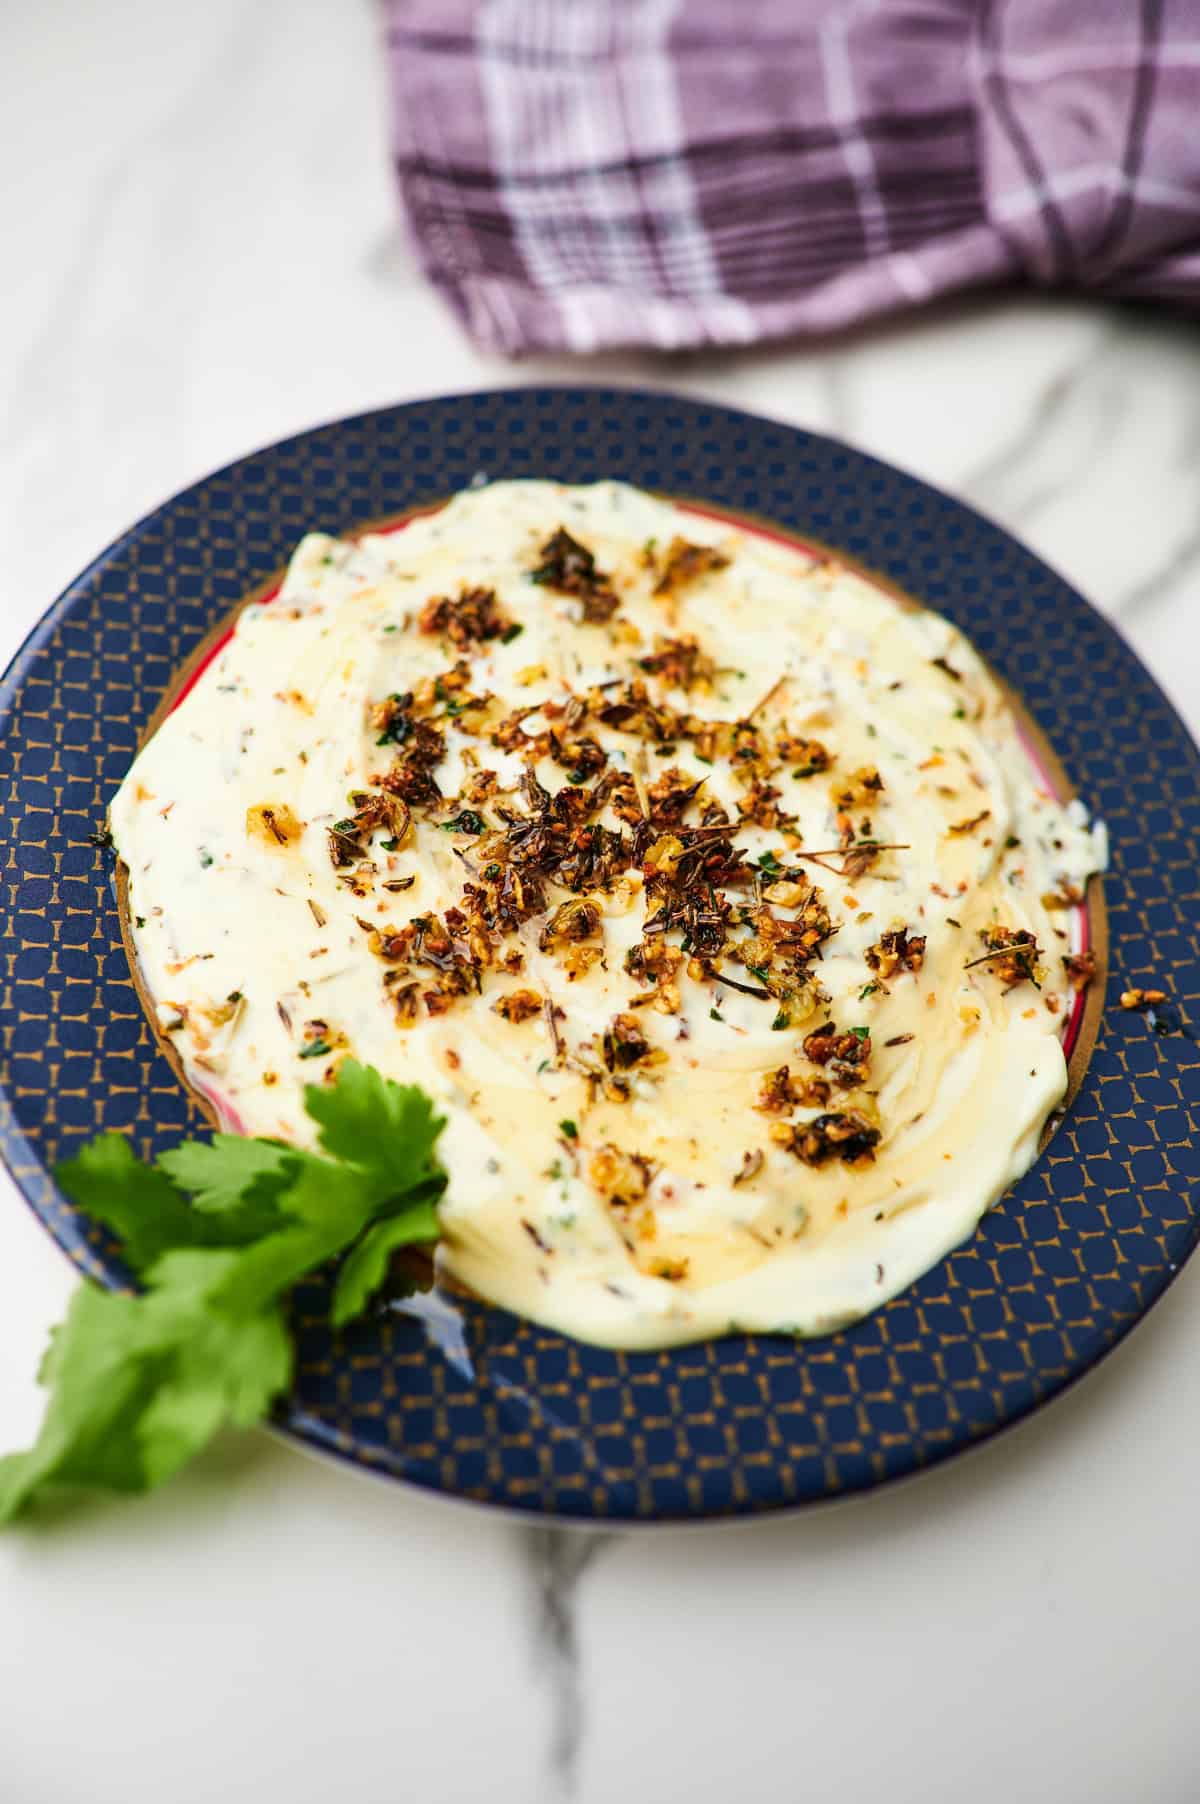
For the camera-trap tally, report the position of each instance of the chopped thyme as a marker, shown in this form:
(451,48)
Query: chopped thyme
(843,1057)
(745,988)
(465,821)
(568,1129)
(968,826)
(316,1049)
(846,1134)
(684,564)
(895,951)
(570,567)
(473,617)
(752,1164)
(1081,968)
(1012,955)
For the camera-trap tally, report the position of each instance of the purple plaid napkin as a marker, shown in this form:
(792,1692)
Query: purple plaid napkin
(580,174)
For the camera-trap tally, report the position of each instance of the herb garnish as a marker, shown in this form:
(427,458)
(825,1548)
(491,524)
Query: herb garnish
(466,821)
(141,1382)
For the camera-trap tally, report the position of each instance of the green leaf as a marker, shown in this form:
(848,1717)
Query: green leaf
(138,1203)
(138,1384)
(224,1173)
(231,1369)
(365,1265)
(383,1128)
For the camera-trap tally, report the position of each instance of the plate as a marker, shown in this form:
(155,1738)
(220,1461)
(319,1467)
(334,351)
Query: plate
(471,1401)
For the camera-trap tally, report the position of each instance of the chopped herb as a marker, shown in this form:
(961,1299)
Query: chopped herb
(544,1066)
(780,1022)
(569,1129)
(769,862)
(861,1033)
(714,1015)
(948,668)
(868,989)
(467,821)
(389,845)
(752,1164)
(206,858)
(1010,842)
(745,988)
(140,920)
(316,1049)
(511,632)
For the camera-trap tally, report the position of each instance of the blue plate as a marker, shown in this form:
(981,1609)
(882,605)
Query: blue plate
(495,1409)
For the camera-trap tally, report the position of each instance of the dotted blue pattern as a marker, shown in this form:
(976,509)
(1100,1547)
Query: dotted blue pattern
(521,1416)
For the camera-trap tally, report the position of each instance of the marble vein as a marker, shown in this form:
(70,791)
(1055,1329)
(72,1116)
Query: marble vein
(557,1560)
(1012,482)
(1182,559)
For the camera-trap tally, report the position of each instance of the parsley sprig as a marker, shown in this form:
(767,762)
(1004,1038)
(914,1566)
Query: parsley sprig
(218,1232)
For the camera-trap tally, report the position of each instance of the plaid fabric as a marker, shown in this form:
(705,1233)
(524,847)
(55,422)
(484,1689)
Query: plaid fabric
(580,174)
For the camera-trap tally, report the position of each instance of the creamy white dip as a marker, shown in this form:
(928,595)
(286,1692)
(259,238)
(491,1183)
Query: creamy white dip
(592,1160)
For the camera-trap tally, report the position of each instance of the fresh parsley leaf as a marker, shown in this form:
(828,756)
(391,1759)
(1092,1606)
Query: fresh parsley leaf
(223,1173)
(141,1206)
(139,1383)
(385,1128)
(365,1265)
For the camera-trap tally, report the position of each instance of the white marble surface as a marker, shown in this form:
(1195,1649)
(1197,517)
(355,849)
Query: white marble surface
(200,254)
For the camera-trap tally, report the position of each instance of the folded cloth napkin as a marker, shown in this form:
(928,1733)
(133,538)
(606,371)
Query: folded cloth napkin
(580,174)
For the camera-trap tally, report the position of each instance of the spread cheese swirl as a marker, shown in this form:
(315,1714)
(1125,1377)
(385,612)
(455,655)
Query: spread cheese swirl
(714,896)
